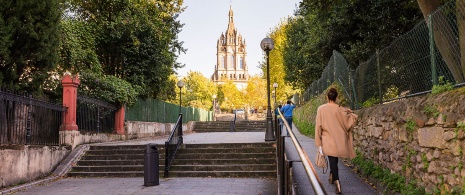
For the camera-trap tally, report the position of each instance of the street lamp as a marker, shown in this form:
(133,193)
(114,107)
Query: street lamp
(275,86)
(267,45)
(180,85)
(214,106)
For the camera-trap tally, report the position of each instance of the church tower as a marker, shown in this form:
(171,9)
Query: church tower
(230,57)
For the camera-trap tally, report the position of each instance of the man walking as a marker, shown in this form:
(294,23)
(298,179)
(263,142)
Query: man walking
(287,112)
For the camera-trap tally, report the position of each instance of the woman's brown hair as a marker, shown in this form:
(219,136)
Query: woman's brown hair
(332,94)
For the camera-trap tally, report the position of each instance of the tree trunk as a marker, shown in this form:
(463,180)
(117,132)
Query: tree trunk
(460,6)
(444,38)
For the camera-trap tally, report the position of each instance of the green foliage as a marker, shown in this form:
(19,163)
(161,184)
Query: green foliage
(391,93)
(442,86)
(370,102)
(277,72)
(392,181)
(431,110)
(108,88)
(355,28)
(198,91)
(410,125)
(29,43)
(133,40)
(425,161)
(306,128)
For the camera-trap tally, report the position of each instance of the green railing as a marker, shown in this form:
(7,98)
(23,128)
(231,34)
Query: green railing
(151,110)
(411,65)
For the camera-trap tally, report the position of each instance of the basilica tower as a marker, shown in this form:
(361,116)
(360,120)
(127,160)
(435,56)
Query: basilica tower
(231,57)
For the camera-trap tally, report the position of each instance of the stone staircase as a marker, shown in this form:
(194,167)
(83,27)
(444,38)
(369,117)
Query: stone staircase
(254,160)
(114,161)
(249,160)
(224,126)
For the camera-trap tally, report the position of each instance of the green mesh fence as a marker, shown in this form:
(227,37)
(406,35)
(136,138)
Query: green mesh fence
(432,51)
(151,110)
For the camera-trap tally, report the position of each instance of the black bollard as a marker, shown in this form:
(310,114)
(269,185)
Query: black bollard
(151,165)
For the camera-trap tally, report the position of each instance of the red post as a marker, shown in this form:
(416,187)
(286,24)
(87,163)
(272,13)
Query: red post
(70,85)
(119,121)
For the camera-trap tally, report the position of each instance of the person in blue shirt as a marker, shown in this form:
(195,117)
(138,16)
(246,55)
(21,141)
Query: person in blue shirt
(287,112)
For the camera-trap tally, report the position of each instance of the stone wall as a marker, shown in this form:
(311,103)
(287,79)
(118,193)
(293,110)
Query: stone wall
(138,129)
(422,138)
(19,163)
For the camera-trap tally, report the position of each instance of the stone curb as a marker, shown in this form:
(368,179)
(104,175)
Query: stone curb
(62,168)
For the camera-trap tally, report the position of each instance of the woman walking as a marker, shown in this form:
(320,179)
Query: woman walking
(333,133)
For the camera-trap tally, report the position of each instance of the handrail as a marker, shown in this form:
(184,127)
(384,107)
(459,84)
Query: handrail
(232,126)
(172,145)
(309,169)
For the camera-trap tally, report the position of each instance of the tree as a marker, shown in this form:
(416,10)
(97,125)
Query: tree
(199,91)
(277,68)
(134,40)
(355,28)
(231,97)
(29,43)
(256,92)
(447,44)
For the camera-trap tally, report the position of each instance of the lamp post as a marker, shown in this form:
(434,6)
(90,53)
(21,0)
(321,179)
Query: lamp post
(180,85)
(267,45)
(214,106)
(275,86)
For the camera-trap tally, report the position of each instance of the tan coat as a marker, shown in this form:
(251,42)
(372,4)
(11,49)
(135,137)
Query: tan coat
(333,130)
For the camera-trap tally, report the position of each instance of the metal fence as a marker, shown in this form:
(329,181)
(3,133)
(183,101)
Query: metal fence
(151,110)
(95,116)
(25,120)
(411,65)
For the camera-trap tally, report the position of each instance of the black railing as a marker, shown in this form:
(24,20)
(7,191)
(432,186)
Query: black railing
(172,145)
(285,181)
(25,120)
(232,125)
(95,116)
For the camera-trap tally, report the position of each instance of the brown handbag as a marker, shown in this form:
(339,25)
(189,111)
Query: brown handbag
(321,161)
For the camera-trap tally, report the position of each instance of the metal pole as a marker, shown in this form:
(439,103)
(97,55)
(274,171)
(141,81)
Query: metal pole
(434,75)
(214,108)
(28,122)
(180,103)
(379,78)
(269,136)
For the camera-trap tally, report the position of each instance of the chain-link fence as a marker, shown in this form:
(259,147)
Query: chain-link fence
(151,110)
(432,51)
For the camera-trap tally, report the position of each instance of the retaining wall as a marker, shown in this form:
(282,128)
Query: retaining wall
(422,138)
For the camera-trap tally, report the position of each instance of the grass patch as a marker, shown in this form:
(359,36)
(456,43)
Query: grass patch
(306,128)
(392,181)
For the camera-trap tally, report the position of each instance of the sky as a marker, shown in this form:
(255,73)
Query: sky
(205,20)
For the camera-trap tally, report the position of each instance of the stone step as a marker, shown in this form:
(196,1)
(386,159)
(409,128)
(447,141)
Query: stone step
(224,156)
(113,162)
(231,145)
(118,152)
(238,174)
(109,174)
(227,150)
(225,161)
(223,168)
(111,168)
(114,157)
(120,147)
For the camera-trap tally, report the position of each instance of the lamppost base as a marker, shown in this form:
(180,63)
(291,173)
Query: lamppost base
(269,135)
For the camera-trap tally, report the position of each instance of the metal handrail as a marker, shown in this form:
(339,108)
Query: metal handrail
(172,145)
(309,169)
(232,126)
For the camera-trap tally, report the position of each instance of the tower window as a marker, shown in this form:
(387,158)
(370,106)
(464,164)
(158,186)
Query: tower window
(240,64)
(232,62)
(222,62)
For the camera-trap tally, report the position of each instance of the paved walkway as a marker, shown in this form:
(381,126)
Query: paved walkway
(351,184)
